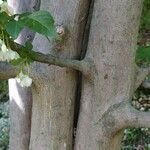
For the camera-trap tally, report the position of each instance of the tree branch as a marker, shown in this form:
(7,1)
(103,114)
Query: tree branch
(83,66)
(141,75)
(131,117)
(120,116)
(7,71)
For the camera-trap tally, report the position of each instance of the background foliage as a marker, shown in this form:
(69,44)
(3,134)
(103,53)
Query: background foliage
(139,138)
(143,51)
(4,116)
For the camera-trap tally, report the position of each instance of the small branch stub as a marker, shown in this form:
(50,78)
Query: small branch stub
(60,30)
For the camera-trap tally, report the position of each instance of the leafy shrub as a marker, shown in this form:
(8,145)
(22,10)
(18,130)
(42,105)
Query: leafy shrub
(4,125)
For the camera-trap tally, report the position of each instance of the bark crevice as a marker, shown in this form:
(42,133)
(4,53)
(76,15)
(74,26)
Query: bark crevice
(84,45)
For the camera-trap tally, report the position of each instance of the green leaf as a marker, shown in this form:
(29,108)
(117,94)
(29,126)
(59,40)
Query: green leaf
(41,22)
(143,55)
(4,18)
(21,61)
(25,14)
(26,54)
(28,45)
(16,62)
(146,18)
(13,28)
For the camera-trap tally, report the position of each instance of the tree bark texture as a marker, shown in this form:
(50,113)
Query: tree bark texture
(20,116)
(112,47)
(54,88)
(20,97)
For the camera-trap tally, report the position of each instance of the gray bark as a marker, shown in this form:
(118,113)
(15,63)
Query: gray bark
(20,98)
(7,71)
(20,116)
(112,46)
(54,87)
(106,92)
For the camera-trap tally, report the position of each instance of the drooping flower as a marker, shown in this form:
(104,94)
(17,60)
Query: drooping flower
(7,54)
(24,80)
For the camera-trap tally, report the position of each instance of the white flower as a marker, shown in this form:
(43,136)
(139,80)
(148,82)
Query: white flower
(7,54)
(1,2)
(3,47)
(4,6)
(24,80)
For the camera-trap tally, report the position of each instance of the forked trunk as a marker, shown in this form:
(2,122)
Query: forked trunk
(111,48)
(105,96)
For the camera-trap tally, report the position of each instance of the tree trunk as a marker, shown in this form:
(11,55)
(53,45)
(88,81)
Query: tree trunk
(20,116)
(54,88)
(111,47)
(20,98)
(109,76)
